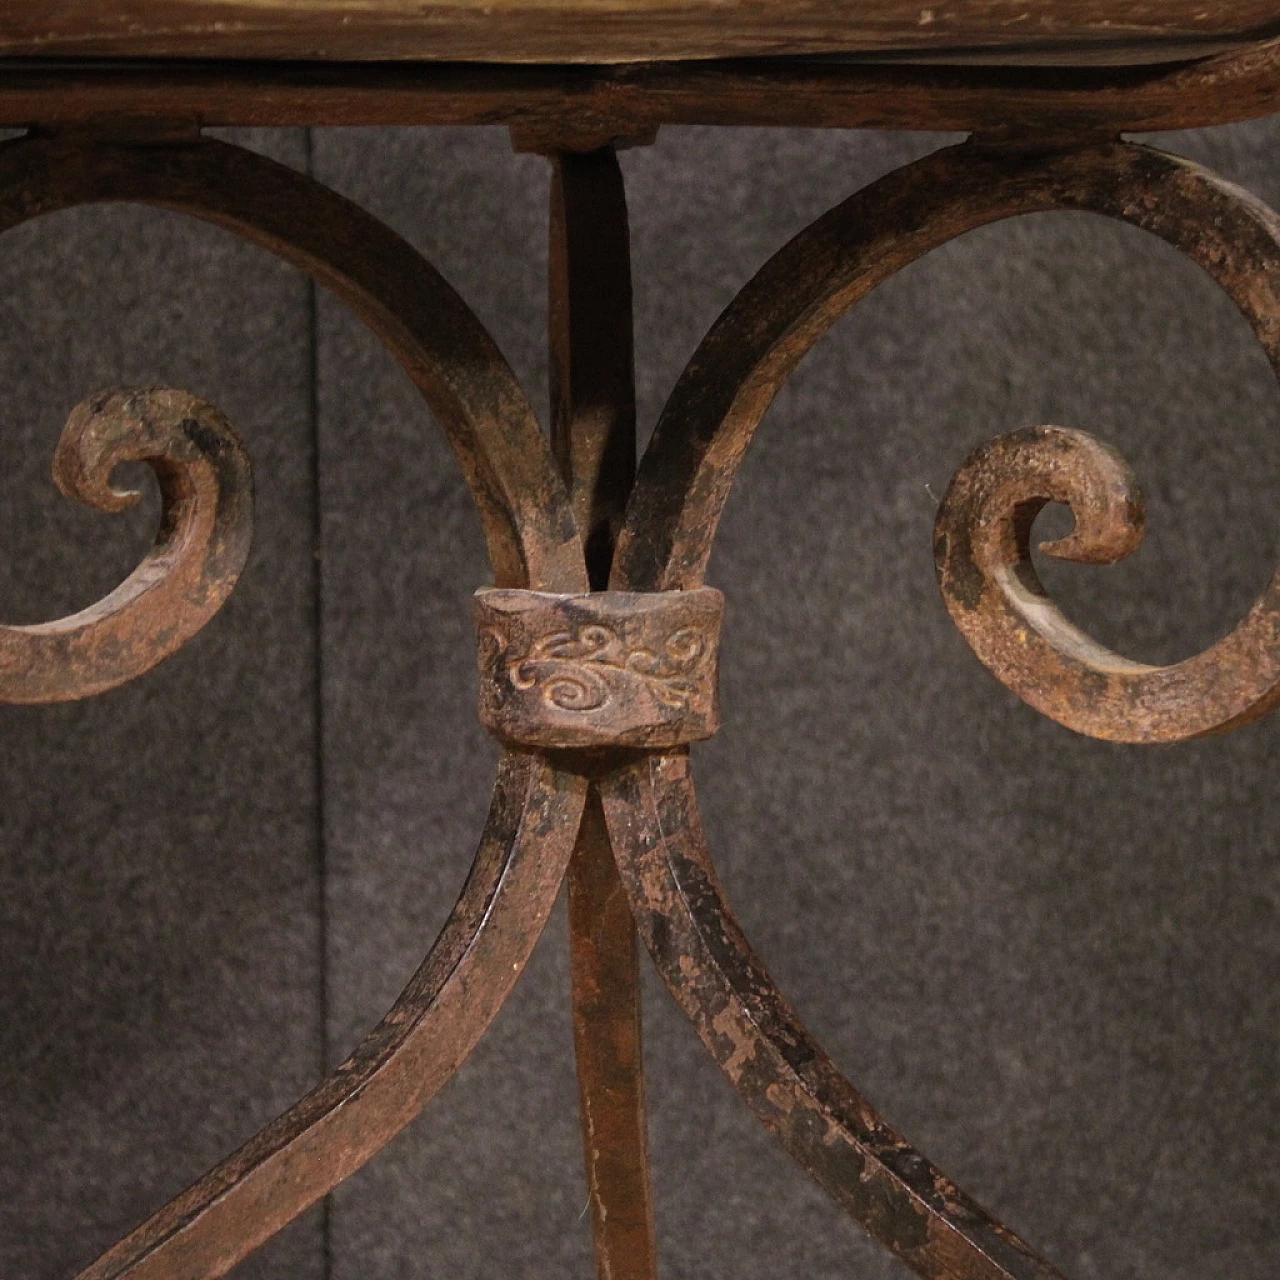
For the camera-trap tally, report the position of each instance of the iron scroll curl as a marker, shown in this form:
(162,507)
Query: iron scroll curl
(529,528)
(645,786)
(199,552)
(983,528)
(684,481)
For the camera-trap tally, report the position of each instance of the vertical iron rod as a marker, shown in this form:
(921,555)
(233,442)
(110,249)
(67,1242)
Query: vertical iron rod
(594,438)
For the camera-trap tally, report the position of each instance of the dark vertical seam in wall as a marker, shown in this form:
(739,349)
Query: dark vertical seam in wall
(318,721)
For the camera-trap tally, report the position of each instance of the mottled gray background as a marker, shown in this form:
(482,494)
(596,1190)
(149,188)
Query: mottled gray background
(1051,962)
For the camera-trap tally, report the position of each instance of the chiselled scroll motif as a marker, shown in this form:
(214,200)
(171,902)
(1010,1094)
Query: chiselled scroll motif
(206,526)
(608,669)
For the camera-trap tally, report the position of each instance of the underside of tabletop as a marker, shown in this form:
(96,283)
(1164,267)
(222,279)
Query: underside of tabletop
(610,31)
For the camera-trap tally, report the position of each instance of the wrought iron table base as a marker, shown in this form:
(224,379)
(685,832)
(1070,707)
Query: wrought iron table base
(597,645)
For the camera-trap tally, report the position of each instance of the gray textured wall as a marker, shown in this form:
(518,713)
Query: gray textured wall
(1051,962)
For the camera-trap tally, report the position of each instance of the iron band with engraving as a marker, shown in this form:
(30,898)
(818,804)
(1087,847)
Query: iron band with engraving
(605,669)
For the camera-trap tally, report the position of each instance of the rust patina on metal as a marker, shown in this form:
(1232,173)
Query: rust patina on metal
(750,1029)
(593,436)
(605,669)
(683,484)
(537,808)
(590,675)
(206,525)
(982,543)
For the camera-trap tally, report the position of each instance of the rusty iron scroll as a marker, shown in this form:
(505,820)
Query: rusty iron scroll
(532,541)
(598,640)
(684,481)
(201,546)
